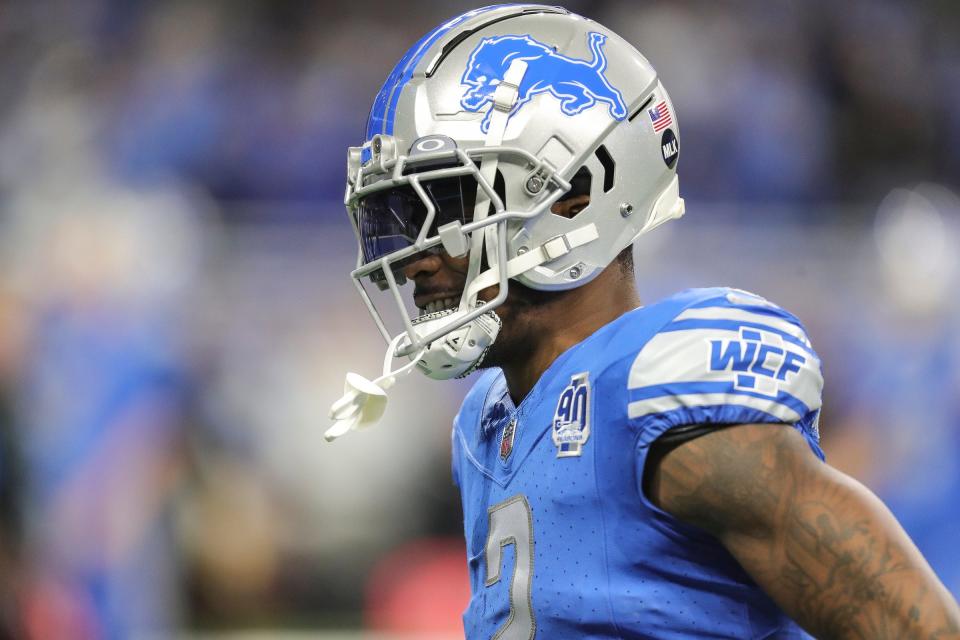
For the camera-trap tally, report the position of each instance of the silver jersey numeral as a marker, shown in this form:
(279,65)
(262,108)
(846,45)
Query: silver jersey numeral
(511,522)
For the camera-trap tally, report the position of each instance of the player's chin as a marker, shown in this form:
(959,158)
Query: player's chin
(514,339)
(514,312)
(509,307)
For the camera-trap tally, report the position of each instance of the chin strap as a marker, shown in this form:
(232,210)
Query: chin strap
(364,401)
(550,250)
(504,99)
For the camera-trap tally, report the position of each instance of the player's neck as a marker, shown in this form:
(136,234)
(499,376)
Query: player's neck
(566,322)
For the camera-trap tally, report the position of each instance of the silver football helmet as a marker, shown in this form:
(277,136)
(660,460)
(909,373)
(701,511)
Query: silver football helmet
(480,128)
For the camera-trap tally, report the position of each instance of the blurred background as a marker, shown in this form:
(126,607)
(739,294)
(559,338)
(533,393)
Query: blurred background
(176,314)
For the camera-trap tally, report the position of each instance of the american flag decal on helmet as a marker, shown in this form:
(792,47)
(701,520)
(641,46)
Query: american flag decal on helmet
(660,117)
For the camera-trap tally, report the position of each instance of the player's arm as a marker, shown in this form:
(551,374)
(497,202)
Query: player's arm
(818,542)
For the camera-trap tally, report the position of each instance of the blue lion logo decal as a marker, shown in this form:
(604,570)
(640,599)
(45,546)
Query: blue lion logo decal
(578,84)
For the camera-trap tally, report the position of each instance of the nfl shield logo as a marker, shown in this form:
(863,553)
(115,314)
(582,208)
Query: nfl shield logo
(506,441)
(571,422)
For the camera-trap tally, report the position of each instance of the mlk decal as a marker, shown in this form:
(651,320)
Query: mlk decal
(577,84)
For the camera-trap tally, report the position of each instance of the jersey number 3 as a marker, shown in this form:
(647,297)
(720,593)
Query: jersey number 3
(511,522)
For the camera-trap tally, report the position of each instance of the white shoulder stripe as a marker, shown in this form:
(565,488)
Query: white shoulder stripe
(742,315)
(684,356)
(662,404)
(676,355)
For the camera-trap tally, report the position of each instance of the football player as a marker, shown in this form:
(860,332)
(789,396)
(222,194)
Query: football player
(626,471)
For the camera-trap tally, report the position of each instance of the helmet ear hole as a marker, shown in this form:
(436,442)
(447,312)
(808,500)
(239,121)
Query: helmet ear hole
(580,185)
(609,166)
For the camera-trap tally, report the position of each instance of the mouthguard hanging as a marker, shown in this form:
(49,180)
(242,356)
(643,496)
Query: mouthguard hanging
(364,401)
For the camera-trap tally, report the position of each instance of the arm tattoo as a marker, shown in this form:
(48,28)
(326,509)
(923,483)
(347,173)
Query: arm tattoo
(822,546)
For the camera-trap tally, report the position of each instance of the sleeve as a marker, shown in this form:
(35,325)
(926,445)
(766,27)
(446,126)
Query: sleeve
(731,359)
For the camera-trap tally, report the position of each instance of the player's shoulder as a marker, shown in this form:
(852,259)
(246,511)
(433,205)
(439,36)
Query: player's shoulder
(692,314)
(705,313)
(723,355)
(741,312)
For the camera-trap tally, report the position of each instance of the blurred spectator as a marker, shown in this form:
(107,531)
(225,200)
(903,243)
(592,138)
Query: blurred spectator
(98,406)
(901,392)
(780,102)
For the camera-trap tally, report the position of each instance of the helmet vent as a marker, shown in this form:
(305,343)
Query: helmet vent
(608,167)
(640,109)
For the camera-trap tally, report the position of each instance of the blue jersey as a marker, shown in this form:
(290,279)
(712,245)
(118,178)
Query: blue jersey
(561,540)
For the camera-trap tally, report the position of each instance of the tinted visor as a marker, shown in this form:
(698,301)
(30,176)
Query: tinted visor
(392,219)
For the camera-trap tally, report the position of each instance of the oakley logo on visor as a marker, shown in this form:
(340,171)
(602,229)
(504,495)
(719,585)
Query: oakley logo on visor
(431,144)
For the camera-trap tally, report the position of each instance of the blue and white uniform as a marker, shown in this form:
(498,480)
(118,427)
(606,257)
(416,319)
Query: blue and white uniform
(561,541)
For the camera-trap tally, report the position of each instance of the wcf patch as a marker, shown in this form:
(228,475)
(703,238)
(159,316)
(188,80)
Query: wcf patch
(759,361)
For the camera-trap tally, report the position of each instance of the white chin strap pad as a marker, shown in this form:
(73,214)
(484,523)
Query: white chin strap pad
(459,352)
